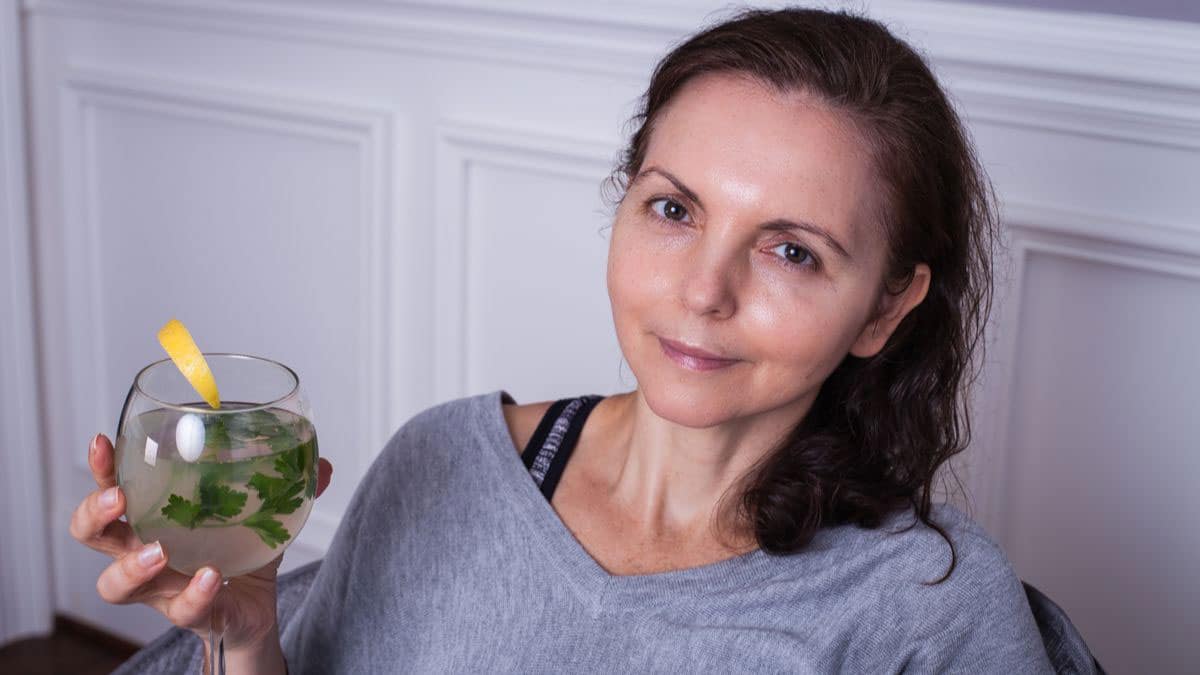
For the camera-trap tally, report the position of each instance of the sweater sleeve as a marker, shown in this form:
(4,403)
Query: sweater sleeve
(330,633)
(983,624)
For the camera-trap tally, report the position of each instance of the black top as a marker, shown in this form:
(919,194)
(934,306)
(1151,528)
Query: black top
(550,447)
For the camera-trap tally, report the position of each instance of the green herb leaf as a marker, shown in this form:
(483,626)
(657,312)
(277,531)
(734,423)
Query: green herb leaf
(262,419)
(310,467)
(216,433)
(220,500)
(270,530)
(182,511)
(238,427)
(279,495)
(290,464)
(260,423)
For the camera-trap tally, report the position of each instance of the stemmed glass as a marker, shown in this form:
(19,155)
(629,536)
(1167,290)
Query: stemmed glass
(230,487)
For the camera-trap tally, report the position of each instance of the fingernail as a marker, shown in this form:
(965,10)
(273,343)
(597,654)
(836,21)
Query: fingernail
(150,554)
(108,498)
(208,579)
(93,444)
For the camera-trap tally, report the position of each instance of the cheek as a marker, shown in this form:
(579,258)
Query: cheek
(622,291)
(807,328)
(637,274)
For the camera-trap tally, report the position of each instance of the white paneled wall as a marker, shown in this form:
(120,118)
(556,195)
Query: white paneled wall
(1102,436)
(26,605)
(402,201)
(520,254)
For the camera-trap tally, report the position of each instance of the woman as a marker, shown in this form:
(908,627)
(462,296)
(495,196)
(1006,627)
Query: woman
(799,273)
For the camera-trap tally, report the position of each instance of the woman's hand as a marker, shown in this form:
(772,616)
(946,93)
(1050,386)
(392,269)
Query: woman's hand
(139,572)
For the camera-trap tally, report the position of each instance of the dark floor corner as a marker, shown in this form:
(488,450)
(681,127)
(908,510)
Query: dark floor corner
(73,649)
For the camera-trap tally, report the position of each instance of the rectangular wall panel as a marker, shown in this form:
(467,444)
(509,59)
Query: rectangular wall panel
(1101,494)
(536,286)
(523,244)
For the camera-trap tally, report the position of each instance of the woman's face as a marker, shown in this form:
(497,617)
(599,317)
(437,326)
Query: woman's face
(750,233)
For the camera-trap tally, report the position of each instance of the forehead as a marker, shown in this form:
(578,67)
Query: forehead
(735,141)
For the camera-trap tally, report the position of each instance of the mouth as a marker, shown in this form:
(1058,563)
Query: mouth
(693,358)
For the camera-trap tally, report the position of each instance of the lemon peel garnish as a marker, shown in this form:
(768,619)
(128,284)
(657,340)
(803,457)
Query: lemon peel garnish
(177,341)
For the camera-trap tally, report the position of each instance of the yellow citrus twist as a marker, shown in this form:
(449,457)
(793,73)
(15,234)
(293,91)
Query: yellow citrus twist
(175,338)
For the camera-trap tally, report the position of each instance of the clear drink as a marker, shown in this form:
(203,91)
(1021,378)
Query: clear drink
(238,503)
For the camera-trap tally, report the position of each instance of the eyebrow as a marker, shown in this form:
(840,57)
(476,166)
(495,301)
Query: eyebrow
(776,225)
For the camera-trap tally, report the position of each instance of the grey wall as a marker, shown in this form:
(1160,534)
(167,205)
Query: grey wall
(1179,10)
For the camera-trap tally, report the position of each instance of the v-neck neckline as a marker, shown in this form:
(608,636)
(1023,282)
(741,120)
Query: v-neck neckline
(596,586)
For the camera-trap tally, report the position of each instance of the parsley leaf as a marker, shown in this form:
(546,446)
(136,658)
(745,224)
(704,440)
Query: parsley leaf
(271,531)
(216,433)
(220,500)
(279,495)
(224,431)
(290,464)
(215,501)
(300,465)
(310,467)
(182,511)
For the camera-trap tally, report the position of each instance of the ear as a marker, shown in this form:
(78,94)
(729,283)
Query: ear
(893,308)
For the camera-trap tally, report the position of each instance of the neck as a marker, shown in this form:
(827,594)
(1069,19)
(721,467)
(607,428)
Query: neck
(678,483)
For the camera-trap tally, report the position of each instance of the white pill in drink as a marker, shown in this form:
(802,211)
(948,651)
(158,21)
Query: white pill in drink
(189,437)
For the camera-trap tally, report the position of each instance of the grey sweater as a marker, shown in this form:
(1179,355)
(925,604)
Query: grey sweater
(449,559)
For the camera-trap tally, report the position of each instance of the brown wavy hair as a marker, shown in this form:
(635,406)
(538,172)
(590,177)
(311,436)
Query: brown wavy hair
(880,427)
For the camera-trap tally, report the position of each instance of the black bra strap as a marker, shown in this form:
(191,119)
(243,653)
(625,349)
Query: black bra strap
(548,450)
(529,454)
(571,437)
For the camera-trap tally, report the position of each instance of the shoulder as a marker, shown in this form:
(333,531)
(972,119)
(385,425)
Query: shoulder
(903,564)
(522,420)
(980,557)
(435,430)
(978,618)
(983,575)
(982,601)
(917,552)
(896,594)
(969,537)
(454,417)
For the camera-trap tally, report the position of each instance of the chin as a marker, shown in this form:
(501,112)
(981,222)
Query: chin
(697,406)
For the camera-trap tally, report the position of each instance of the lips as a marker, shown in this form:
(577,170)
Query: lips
(693,358)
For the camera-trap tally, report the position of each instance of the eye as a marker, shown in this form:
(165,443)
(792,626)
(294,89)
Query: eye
(796,256)
(670,209)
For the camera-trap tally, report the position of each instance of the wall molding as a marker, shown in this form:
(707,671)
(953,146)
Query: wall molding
(481,31)
(26,605)
(1103,48)
(1096,75)
(1035,229)
(1072,109)
(461,146)
(1152,235)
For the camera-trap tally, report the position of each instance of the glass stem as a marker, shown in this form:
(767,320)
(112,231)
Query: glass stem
(215,662)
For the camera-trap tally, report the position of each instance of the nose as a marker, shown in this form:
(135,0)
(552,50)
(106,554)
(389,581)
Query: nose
(709,286)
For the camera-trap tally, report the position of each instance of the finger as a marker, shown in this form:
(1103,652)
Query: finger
(324,473)
(122,582)
(192,606)
(100,459)
(94,523)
